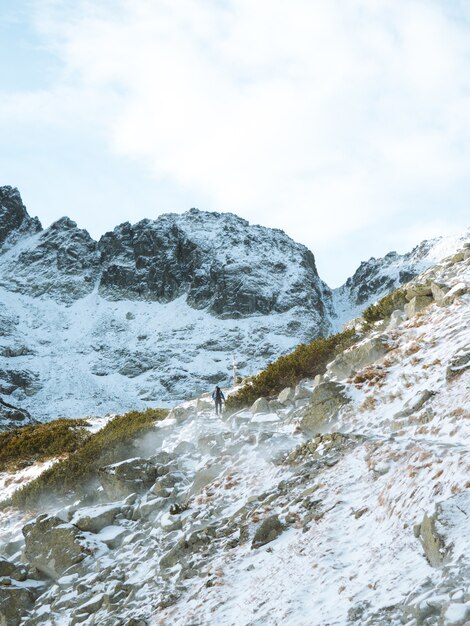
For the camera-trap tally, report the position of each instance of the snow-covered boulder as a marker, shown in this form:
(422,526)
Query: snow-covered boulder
(130,476)
(53,546)
(260,406)
(286,396)
(95,518)
(15,600)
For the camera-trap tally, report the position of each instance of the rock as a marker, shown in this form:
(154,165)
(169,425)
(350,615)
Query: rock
(13,417)
(439,292)
(456,614)
(457,290)
(357,357)
(7,568)
(205,476)
(418,290)
(286,396)
(268,531)
(415,404)
(302,393)
(416,304)
(260,406)
(121,479)
(93,519)
(441,532)
(325,404)
(275,405)
(15,601)
(458,363)
(52,545)
(15,223)
(396,318)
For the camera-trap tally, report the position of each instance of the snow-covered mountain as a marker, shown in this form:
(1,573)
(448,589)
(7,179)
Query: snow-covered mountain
(376,277)
(151,313)
(347,504)
(157,311)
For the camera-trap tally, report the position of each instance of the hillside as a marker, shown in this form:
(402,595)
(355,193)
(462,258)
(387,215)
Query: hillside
(343,501)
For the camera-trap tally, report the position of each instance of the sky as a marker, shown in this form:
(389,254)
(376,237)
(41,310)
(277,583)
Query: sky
(346,123)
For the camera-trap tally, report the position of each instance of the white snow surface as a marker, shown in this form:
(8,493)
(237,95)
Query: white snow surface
(348,553)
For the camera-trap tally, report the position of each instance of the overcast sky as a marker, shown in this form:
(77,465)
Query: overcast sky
(344,122)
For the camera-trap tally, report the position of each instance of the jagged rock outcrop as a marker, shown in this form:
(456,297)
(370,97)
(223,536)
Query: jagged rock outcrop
(218,261)
(15,223)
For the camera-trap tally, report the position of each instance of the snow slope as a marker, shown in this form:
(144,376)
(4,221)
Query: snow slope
(348,502)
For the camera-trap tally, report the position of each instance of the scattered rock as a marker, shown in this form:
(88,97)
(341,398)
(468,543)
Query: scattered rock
(415,404)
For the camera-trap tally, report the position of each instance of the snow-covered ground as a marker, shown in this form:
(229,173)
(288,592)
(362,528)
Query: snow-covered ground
(348,505)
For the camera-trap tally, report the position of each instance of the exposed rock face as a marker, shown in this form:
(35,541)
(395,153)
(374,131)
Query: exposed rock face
(377,277)
(62,264)
(458,363)
(15,222)
(11,415)
(218,261)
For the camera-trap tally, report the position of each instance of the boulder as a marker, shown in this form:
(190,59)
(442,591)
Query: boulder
(301,392)
(52,545)
(14,602)
(286,396)
(418,290)
(458,363)
(396,318)
(416,304)
(7,568)
(268,531)
(457,290)
(439,292)
(357,357)
(260,406)
(275,405)
(130,476)
(95,518)
(326,401)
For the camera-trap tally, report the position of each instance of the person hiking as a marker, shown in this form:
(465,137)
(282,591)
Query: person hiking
(218,397)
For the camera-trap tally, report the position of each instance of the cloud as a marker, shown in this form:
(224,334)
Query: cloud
(320,117)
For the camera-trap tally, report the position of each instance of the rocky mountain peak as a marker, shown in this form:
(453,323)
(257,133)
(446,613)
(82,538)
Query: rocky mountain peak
(15,222)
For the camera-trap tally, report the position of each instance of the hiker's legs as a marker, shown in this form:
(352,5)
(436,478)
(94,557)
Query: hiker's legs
(218,407)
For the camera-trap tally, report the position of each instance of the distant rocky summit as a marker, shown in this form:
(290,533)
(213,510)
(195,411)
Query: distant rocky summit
(159,310)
